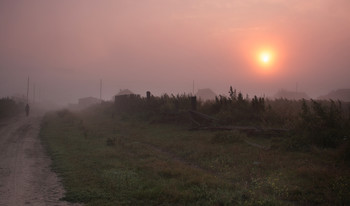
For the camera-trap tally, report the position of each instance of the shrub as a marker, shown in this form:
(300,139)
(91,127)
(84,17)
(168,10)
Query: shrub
(323,124)
(9,108)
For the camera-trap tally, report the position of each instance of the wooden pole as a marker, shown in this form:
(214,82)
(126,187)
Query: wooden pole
(28,90)
(38,98)
(101,90)
(33,93)
(193,88)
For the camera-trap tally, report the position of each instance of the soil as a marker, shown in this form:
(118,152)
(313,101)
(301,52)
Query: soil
(25,174)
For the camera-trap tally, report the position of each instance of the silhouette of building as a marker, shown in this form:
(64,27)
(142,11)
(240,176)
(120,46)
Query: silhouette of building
(125,92)
(205,94)
(125,98)
(88,101)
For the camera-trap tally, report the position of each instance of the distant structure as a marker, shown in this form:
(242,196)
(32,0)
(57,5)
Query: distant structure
(123,95)
(126,92)
(88,101)
(284,94)
(73,107)
(148,95)
(122,99)
(205,94)
(340,94)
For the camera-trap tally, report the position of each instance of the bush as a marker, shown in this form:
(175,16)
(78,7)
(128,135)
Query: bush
(9,108)
(323,123)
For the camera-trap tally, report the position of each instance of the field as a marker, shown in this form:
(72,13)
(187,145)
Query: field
(106,156)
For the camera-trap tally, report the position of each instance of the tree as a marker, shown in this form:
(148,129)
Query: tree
(232,93)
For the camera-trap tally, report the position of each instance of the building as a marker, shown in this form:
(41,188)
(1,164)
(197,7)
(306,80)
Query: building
(125,99)
(88,101)
(205,94)
(125,92)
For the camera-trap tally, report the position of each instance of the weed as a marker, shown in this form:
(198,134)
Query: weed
(9,108)
(136,158)
(227,137)
(110,142)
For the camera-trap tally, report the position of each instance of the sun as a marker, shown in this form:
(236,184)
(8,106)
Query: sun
(265,59)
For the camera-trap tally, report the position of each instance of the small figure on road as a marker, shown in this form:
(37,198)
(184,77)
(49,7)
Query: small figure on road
(27,109)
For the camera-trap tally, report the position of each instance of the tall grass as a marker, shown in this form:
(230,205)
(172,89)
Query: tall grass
(144,154)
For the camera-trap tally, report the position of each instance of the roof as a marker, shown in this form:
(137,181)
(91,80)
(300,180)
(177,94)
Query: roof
(205,94)
(125,92)
(87,101)
(89,98)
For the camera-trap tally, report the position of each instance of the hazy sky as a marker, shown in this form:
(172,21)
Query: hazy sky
(67,46)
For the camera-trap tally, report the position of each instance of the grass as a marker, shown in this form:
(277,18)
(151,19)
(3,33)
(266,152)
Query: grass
(109,159)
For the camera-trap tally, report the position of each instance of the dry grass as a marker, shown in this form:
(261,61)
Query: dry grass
(166,164)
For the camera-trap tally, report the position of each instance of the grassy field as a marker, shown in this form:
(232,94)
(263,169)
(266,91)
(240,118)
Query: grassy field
(109,158)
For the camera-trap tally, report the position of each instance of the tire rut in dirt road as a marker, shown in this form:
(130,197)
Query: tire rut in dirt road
(25,174)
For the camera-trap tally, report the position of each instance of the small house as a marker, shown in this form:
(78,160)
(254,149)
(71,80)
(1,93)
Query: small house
(124,98)
(205,94)
(88,101)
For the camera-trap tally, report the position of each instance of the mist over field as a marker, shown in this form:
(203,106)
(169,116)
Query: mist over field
(105,102)
(67,47)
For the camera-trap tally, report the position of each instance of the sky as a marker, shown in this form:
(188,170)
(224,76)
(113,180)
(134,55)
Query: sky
(66,47)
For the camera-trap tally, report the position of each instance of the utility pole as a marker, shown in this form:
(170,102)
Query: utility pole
(101,90)
(33,93)
(38,98)
(28,90)
(193,88)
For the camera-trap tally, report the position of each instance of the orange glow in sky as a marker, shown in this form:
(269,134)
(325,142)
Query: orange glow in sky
(264,56)
(162,46)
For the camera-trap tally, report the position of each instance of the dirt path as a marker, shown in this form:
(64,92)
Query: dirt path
(25,174)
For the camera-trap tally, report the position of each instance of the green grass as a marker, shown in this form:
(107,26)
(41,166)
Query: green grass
(109,159)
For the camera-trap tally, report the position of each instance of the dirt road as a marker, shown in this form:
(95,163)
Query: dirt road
(25,174)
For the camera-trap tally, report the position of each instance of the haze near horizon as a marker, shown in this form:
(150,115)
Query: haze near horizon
(257,47)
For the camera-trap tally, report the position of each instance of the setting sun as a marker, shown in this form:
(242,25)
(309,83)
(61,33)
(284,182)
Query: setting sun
(265,58)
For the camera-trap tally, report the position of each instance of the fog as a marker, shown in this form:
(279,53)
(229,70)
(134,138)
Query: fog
(66,47)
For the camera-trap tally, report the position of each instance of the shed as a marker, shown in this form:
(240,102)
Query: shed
(88,101)
(205,94)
